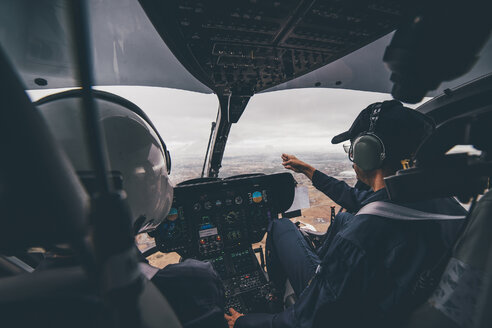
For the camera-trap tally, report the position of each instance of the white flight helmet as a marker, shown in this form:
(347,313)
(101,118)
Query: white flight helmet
(134,149)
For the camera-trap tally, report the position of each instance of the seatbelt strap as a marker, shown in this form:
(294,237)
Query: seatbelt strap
(397,212)
(429,278)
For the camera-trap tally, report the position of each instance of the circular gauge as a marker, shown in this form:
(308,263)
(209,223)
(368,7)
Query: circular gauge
(173,214)
(230,217)
(207,205)
(197,207)
(238,200)
(257,197)
(218,203)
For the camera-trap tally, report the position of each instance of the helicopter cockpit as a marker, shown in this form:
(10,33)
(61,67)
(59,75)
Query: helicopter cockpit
(233,49)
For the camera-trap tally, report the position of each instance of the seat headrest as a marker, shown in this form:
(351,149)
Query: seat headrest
(42,201)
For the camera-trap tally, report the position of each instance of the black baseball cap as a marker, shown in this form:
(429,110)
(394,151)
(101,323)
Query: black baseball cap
(400,128)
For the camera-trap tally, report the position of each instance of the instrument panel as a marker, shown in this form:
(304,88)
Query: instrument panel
(207,218)
(218,221)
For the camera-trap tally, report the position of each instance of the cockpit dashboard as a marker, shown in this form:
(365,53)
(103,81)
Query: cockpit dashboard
(209,217)
(218,221)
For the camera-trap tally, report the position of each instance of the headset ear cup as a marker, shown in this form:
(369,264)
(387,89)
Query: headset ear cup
(368,152)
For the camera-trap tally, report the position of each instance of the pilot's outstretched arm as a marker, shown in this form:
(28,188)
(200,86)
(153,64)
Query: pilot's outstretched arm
(340,192)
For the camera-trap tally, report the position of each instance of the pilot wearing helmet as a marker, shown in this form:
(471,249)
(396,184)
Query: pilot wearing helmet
(378,259)
(139,164)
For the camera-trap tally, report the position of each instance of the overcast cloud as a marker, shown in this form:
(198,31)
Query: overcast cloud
(298,120)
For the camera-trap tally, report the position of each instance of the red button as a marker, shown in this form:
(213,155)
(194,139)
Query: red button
(202,241)
(218,238)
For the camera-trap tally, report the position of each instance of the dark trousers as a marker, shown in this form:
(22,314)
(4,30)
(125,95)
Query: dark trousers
(195,292)
(289,256)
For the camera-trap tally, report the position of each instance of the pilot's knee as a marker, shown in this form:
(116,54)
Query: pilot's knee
(192,277)
(282,230)
(196,267)
(283,223)
(282,226)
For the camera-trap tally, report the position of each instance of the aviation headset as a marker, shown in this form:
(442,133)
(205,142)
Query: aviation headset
(368,151)
(110,97)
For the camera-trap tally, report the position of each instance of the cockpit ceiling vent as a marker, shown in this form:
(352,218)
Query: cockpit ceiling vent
(246,46)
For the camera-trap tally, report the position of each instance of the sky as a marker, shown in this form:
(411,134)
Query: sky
(298,120)
(292,121)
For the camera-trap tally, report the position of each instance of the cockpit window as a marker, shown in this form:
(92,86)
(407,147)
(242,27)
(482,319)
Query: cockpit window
(301,122)
(183,119)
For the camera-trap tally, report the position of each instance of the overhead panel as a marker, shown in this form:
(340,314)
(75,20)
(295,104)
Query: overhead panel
(243,47)
(270,43)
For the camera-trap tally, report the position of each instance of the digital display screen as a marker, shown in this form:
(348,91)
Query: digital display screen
(206,226)
(208,232)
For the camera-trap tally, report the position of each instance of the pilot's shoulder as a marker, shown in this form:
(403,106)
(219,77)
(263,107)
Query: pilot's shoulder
(364,229)
(442,205)
(374,232)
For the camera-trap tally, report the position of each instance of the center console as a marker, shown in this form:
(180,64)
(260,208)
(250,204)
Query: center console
(218,222)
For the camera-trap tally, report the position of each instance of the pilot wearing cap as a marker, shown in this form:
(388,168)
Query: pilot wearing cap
(372,269)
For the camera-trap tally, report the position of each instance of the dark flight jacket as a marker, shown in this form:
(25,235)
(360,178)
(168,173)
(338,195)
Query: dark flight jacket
(369,264)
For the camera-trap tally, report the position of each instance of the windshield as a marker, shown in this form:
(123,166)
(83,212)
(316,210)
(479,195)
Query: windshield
(301,122)
(182,118)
